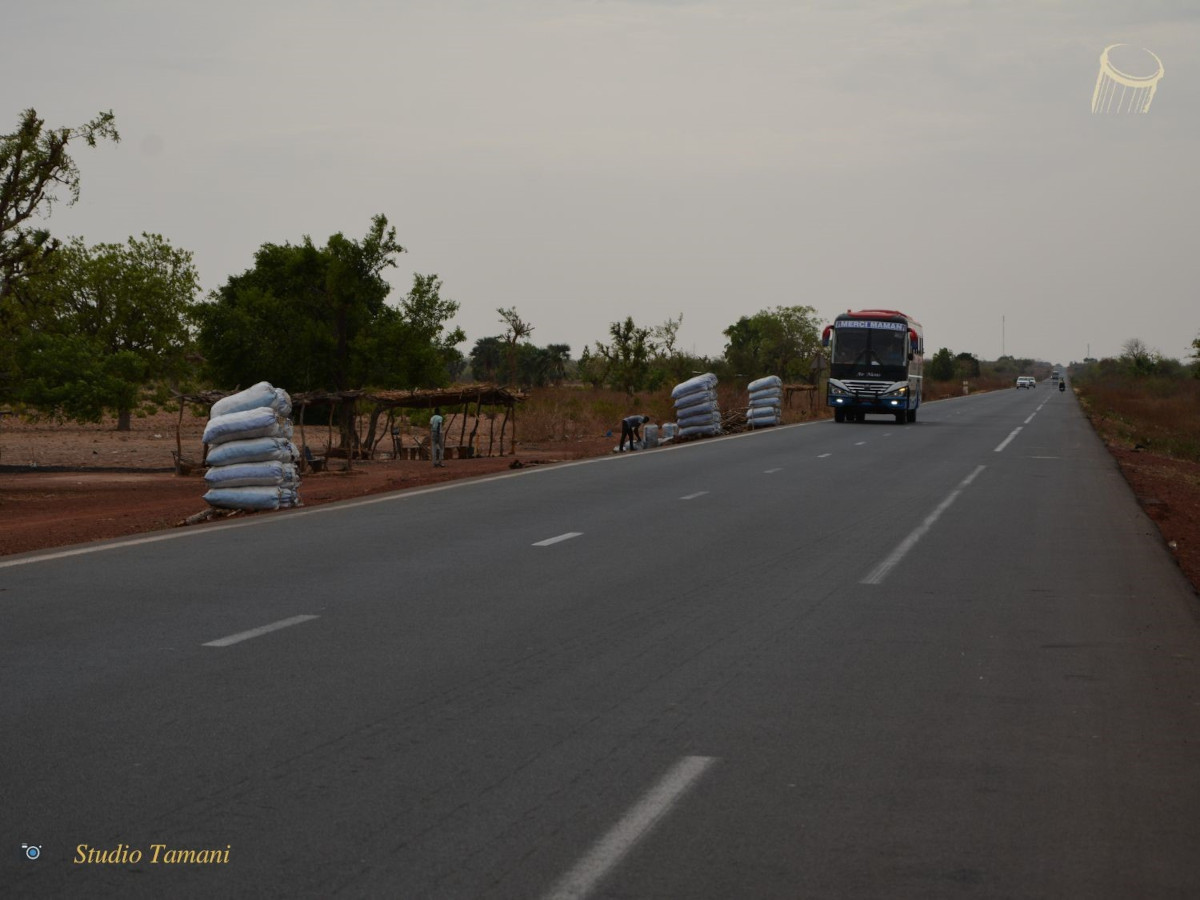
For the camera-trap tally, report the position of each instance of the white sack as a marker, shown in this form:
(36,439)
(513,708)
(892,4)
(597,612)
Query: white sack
(696,398)
(250,423)
(261,394)
(765,394)
(771,381)
(253,450)
(692,430)
(252,498)
(266,474)
(707,380)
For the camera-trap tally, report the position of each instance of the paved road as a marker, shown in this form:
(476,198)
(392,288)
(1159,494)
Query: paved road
(946,659)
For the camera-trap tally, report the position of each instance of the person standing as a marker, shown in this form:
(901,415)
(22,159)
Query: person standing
(631,427)
(437,437)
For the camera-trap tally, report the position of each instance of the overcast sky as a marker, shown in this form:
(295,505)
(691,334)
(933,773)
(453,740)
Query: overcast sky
(587,160)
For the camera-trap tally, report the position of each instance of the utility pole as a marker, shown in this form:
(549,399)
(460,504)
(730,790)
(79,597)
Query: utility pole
(1002,335)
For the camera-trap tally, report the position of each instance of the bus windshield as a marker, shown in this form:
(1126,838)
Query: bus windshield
(869,347)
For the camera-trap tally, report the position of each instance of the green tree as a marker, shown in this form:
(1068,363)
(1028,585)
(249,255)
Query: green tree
(307,318)
(1196,357)
(428,350)
(299,317)
(487,358)
(626,359)
(966,365)
(34,166)
(1138,359)
(126,306)
(781,341)
(941,365)
(516,330)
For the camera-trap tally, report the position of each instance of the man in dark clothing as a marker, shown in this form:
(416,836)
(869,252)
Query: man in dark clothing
(631,427)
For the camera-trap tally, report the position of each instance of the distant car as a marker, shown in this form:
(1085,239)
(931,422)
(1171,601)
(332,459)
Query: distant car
(1026,381)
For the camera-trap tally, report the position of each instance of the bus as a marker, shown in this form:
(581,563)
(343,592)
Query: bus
(875,365)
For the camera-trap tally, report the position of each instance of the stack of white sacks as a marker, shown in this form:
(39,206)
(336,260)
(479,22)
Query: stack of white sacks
(766,396)
(251,457)
(696,409)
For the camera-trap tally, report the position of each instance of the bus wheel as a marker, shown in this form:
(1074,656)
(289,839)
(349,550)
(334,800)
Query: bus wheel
(839,415)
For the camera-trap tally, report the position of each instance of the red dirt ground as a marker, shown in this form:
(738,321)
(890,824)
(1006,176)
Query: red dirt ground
(103,495)
(39,510)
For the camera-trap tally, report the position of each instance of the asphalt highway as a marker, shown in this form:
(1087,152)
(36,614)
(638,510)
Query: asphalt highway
(943,659)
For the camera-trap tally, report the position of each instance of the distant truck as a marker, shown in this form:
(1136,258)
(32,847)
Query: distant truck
(876,358)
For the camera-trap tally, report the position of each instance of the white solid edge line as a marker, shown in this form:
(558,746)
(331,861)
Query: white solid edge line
(1004,443)
(565,536)
(693,496)
(772,471)
(608,852)
(893,559)
(258,632)
(291,514)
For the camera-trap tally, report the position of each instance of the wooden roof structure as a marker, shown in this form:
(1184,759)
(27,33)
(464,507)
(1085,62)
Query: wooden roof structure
(418,398)
(387,401)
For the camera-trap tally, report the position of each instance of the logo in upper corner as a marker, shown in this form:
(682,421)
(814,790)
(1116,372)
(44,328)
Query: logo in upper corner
(1127,81)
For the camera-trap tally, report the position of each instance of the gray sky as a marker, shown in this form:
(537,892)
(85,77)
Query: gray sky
(585,160)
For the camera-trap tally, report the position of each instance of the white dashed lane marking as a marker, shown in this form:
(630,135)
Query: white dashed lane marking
(558,538)
(259,632)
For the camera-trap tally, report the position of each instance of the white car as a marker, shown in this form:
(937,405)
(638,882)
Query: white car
(1026,381)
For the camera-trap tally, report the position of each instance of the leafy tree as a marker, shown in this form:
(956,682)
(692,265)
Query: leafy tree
(300,316)
(966,365)
(1138,359)
(517,330)
(427,350)
(781,341)
(124,307)
(941,365)
(307,317)
(34,166)
(487,358)
(626,360)
(558,357)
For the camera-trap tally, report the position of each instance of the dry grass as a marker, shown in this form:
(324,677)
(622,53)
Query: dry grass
(579,412)
(1153,413)
(940,390)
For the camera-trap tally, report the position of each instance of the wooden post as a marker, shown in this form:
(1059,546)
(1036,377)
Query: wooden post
(491,431)
(503,425)
(303,441)
(478,413)
(179,439)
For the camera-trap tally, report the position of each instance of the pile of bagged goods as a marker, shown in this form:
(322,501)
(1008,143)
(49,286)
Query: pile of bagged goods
(251,457)
(696,410)
(766,396)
